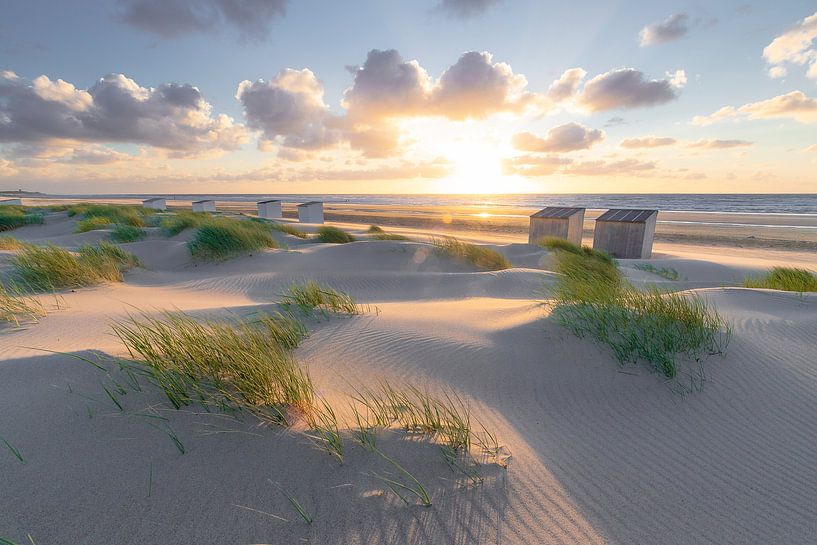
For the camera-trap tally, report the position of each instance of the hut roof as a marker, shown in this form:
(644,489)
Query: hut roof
(269,200)
(556,212)
(205,200)
(627,215)
(154,199)
(310,203)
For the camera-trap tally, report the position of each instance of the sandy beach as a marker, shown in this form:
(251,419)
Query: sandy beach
(599,453)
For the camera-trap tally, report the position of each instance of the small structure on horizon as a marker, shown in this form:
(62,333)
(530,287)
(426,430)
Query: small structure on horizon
(625,234)
(204,206)
(157,203)
(558,222)
(310,212)
(11,202)
(270,210)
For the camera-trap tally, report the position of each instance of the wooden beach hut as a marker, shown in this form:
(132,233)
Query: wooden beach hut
(11,202)
(559,222)
(270,209)
(310,212)
(204,206)
(157,203)
(626,234)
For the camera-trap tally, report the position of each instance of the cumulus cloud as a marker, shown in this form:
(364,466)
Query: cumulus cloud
(564,138)
(534,165)
(795,105)
(647,142)
(626,88)
(566,86)
(795,46)
(465,8)
(547,165)
(115,109)
(173,18)
(288,109)
(670,29)
(719,144)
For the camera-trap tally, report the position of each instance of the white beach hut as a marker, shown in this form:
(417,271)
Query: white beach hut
(204,206)
(157,203)
(557,222)
(270,209)
(10,202)
(625,234)
(310,212)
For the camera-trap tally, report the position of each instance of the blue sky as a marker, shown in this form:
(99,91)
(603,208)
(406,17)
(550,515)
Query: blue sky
(720,51)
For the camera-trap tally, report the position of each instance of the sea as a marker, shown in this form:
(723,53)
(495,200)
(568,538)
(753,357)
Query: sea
(743,203)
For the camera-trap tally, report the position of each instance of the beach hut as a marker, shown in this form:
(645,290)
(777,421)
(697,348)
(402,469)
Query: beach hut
(626,234)
(558,222)
(156,204)
(270,210)
(204,206)
(10,202)
(310,212)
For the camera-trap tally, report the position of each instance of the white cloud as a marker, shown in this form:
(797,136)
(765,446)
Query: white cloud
(795,106)
(670,29)
(795,46)
(648,142)
(564,138)
(625,88)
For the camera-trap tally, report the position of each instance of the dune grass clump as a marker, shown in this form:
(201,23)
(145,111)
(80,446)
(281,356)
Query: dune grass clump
(13,216)
(114,213)
(561,244)
(478,256)
(377,233)
(785,279)
(375,229)
(92,224)
(10,243)
(591,298)
(240,364)
(51,267)
(333,235)
(127,233)
(17,306)
(310,297)
(175,223)
(222,238)
(664,272)
(288,229)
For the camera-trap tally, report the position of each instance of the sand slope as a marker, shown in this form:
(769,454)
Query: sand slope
(600,454)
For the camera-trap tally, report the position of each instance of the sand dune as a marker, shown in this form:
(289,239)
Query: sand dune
(600,453)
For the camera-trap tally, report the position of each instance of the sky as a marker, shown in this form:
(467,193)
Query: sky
(408,96)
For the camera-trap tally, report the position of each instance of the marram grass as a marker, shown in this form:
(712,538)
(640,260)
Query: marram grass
(288,229)
(310,297)
(222,238)
(113,213)
(51,267)
(12,217)
(127,233)
(785,279)
(478,256)
(10,243)
(173,223)
(333,235)
(18,307)
(591,298)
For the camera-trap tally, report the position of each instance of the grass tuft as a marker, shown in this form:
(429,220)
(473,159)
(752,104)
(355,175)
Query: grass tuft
(388,236)
(12,217)
(785,279)
(310,297)
(375,229)
(478,256)
(564,245)
(174,223)
(113,213)
(51,267)
(222,238)
(10,243)
(288,229)
(17,307)
(92,224)
(127,233)
(295,504)
(591,298)
(665,272)
(333,235)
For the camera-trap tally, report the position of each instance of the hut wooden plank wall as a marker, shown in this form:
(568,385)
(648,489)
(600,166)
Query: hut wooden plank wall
(626,234)
(9,202)
(270,209)
(204,206)
(558,222)
(310,212)
(156,204)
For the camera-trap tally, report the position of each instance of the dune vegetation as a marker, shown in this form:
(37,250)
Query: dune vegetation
(173,223)
(136,216)
(10,243)
(12,217)
(127,233)
(18,307)
(310,297)
(664,272)
(377,233)
(785,279)
(289,229)
(92,224)
(51,267)
(221,238)
(478,256)
(592,298)
(333,235)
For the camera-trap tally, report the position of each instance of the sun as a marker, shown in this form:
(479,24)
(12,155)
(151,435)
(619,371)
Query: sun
(475,168)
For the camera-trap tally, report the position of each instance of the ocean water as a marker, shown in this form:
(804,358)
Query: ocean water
(765,204)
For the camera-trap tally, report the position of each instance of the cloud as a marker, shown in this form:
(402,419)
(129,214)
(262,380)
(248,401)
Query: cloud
(670,29)
(719,144)
(564,138)
(812,148)
(288,109)
(632,167)
(173,18)
(115,109)
(647,142)
(795,105)
(533,166)
(463,9)
(566,86)
(795,46)
(625,88)
(538,165)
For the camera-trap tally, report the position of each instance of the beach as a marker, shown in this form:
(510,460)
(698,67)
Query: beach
(589,451)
